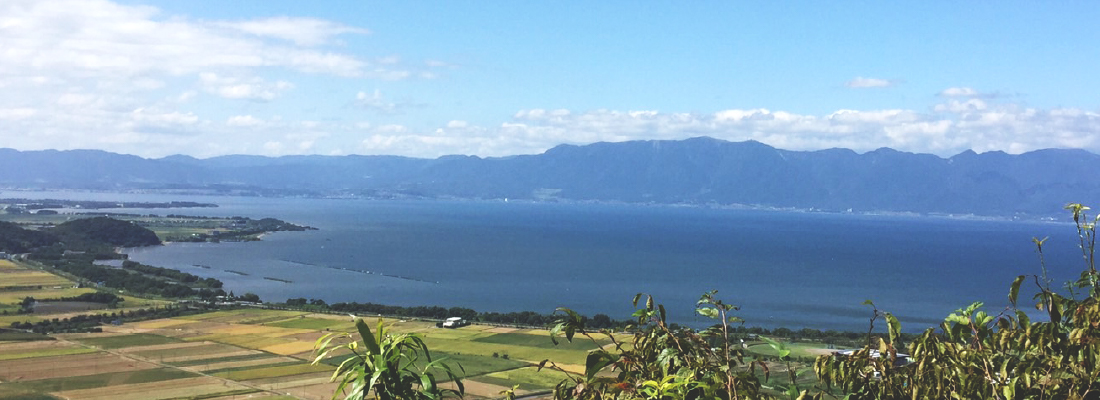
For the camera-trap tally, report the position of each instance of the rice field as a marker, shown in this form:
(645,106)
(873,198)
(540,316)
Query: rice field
(25,278)
(21,354)
(132,340)
(259,354)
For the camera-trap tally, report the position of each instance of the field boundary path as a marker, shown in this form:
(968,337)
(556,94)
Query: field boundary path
(138,358)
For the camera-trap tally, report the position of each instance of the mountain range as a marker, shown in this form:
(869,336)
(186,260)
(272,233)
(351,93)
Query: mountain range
(693,171)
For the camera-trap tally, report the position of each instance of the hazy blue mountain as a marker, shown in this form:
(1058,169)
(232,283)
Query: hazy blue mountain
(697,171)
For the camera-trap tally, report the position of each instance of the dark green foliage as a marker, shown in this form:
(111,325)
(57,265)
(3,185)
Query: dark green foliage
(975,355)
(138,278)
(389,367)
(93,232)
(660,362)
(91,322)
(15,239)
(172,274)
(97,297)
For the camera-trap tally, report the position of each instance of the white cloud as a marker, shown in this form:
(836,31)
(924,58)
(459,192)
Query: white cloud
(16,113)
(163,118)
(861,82)
(959,92)
(300,31)
(375,102)
(239,88)
(243,121)
(92,37)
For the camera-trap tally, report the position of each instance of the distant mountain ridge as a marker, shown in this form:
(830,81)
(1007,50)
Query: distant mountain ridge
(695,171)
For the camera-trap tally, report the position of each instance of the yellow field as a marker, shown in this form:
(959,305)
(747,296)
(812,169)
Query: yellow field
(18,277)
(6,265)
(9,297)
(259,330)
(162,323)
(287,349)
(62,351)
(246,341)
(247,357)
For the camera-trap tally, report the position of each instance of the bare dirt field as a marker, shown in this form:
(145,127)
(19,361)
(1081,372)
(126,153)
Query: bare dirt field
(67,366)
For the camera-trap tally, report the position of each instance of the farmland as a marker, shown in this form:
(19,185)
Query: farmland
(253,352)
(261,353)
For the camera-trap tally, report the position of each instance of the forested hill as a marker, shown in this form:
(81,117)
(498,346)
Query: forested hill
(97,231)
(692,171)
(15,239)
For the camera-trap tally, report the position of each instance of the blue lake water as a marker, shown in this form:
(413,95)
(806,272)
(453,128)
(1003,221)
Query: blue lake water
(783,268)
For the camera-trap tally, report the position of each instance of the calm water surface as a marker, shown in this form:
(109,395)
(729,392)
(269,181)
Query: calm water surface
(783,268)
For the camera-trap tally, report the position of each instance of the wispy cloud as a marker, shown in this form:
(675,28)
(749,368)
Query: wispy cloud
(861,82)
(300,31)
(243,88)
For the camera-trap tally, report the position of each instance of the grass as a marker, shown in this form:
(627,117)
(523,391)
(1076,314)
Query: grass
(310,323)
(224,372)
(186,351)
(20,336)
(527,378)
(27,396)
(231,393)
(243,340)
(64,351)
(474,365)
(798,349)
(122,341)
(531,354)
(7,265)
(32,278)
(271,371)
(244,315)
(216,360)
(101,380)
(542,341)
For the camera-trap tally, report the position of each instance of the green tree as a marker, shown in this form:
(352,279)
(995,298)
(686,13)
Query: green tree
(385,366)
(975,355)
(660,362)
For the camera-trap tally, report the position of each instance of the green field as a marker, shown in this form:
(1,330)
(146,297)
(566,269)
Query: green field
(314,323)
(798,349)
(213,348)
(272,372)
(99,380)
(216,360)
(20,336)
(248,341)
(529,378)
(542,341)
(64,351)
(122,341)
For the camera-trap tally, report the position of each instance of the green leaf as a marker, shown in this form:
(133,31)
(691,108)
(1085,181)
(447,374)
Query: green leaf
(894,327)
(707,312)
(1014,292)
(368,338)
(595,362)
(792,392)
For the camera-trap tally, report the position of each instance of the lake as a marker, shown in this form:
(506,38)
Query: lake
(783,268)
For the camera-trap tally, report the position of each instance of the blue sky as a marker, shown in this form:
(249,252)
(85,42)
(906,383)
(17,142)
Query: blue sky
(425,79)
